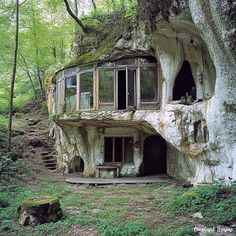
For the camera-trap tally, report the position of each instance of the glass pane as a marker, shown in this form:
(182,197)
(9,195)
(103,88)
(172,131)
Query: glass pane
(86,67)
(86,90)
(59,97)
(106,64)
(70,94)
(128,150)
(145,60)
(118,149)
(70,71)
(131,87)
(108,150)
(106,86)
(125,61)
(148,80)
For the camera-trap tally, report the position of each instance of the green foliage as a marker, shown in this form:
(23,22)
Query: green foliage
(181,230)
(216,202)
(54,117)
(12,173)
(4,200)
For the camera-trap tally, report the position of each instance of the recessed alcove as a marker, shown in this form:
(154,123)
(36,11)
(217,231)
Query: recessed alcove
(184,87)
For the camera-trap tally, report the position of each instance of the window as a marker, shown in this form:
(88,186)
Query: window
(146,60)
(70,94)
(118,149)
(106,64)
(86,91)
(86,67)
(148,81)
(125,61)
(106,86)
(59,97)
(69,71)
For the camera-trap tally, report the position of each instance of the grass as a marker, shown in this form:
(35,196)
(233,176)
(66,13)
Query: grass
(217,203)
(123,210)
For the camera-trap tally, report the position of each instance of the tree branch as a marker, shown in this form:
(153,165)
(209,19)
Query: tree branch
(82,26)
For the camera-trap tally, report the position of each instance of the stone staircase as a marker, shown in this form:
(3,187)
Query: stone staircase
(49,160)
(38,139)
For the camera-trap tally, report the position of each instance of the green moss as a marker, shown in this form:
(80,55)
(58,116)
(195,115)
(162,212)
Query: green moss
(36,202)
(91,56)
(50,75)
(230,107)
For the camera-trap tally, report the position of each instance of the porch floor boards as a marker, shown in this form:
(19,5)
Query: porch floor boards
(121,180)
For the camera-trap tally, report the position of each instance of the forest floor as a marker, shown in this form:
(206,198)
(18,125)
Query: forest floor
(162,209)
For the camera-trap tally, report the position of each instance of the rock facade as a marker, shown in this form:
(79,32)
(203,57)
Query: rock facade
(201,137)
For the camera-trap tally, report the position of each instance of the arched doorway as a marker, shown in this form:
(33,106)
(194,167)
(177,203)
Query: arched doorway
(79,165)
(184,83)
(154,156)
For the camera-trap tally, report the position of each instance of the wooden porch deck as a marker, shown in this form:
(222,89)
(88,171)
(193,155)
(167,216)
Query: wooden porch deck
(121,180)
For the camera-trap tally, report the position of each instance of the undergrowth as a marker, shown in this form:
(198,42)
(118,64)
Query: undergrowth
(216,202)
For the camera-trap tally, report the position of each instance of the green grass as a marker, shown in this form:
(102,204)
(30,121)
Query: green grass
(123,210)
(216,202)
(3,126)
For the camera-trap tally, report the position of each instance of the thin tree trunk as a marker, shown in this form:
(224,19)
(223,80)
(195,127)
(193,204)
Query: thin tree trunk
(9,147)
(37,58)
(29,75)
(94,5)
(73,15)
(76,8)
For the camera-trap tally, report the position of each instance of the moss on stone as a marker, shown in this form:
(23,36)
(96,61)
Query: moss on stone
(230,107)
(37,202)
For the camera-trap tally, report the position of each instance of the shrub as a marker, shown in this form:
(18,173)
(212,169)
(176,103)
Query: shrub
(216,202)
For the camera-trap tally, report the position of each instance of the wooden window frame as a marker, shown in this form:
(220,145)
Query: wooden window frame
(78,90)
(123,149)
(158,83)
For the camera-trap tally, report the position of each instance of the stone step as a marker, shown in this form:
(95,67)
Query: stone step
(50,161)
(48,157)
(52,167)
(50,164)
(44,153)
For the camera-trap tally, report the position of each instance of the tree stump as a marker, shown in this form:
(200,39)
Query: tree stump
(40,210)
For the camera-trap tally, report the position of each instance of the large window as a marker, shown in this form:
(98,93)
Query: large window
(118,149)
(86,90)
(59,96)
(148,82)
(70,94)
(106,86)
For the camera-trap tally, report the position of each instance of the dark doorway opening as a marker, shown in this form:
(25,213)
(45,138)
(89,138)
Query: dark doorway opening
(154,157)
(79,165)
(184,83)
(121,90)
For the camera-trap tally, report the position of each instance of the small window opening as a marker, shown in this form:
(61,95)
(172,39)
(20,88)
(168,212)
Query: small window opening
(121,90)
(184,88)
(118,150)
(201,133)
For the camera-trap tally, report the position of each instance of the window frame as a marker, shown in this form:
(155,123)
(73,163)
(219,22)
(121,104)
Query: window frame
(65,78)
(78,89)
(114,86)
(158,82)
(123,150)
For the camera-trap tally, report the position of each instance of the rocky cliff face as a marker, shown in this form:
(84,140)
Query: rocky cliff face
(201,137)
(202,32)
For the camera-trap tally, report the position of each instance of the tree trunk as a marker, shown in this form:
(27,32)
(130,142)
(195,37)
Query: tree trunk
(73,15)
(13,77)
(29,75)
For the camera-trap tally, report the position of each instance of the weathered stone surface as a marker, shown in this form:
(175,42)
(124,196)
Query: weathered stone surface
(39,211)
(201,138)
